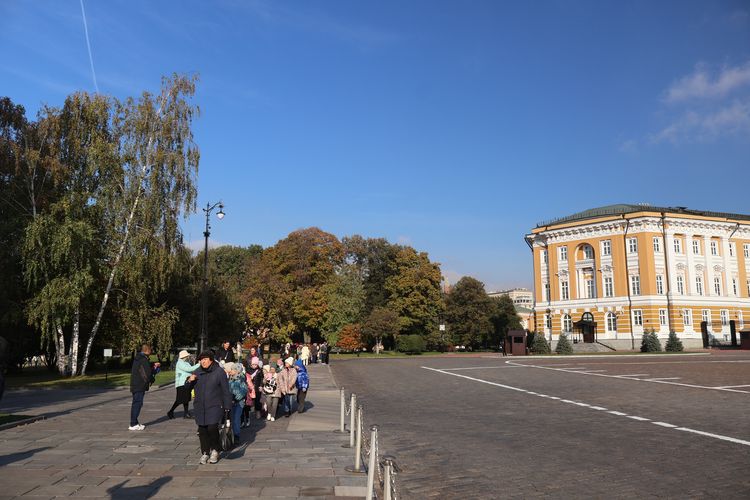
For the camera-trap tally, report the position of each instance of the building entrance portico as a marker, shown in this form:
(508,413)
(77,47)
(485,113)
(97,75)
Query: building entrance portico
(586,328)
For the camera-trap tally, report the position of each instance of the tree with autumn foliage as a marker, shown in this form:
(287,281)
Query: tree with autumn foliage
(350,338)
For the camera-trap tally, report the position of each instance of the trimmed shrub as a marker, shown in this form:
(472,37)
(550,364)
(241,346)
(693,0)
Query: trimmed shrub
(563,345)
(539,344)
(674,344)
(410,344)
(650,342)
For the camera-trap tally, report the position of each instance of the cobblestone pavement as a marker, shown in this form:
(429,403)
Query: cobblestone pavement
(485,428)
(83,449)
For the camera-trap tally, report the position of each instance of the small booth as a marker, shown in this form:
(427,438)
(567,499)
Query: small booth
(515,343)
(745,340)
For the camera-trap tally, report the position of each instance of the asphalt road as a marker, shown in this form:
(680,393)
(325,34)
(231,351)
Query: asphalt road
(624,427)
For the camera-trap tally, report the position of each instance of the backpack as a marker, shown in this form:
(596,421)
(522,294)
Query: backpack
(303,381)
(269,386)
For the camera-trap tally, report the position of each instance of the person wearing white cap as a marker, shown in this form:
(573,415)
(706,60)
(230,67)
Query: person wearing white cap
(288,384)
(182,371)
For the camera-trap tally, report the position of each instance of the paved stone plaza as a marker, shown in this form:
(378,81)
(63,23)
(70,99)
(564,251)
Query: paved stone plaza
(83,449)
(483,427)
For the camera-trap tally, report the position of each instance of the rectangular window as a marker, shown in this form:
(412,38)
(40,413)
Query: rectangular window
(714,248)
(590,290)
(734,287)
(635,285)
(606,247)
(632,245)
(732,249)
(563,253)
(564,291)
(724,317)
(677,245)
(748,288)
(608,287)
(660,284)
(548,321)
(687,317)
(706,316)
(663,317)
(546,292)
(681,285)
(637,317)
(696,247)
(699,285)
(657,244)
(746,250)
(717,285)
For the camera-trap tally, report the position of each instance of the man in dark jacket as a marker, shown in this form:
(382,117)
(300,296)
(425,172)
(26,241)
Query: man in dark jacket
(225,354)
(212,403)
(141,377)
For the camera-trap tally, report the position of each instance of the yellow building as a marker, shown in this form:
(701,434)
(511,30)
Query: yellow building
(607,274)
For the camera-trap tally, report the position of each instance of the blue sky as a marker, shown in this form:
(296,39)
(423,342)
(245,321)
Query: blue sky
(451,126)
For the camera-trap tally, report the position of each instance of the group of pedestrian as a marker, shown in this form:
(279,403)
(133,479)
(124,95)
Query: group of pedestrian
(307,353)
(224,391)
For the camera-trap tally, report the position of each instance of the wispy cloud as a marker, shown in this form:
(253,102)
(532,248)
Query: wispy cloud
(197,245)
(705,106)
(701,84)
(318,21)
(732,119)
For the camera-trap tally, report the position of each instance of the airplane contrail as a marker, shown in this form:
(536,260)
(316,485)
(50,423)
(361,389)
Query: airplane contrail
(88,44)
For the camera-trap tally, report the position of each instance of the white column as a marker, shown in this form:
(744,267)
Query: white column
(728,290)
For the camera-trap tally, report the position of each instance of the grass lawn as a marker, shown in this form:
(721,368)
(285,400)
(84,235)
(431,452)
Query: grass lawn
(6,418)
(42,378)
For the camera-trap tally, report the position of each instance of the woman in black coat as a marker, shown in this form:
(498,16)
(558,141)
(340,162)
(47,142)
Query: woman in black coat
(212,402)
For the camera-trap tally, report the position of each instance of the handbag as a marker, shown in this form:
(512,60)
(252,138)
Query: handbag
(226,436)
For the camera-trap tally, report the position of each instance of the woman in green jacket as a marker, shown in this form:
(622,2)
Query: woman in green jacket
(182,371)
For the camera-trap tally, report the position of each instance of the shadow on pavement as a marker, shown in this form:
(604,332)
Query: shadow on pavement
(119,491)
(21,455)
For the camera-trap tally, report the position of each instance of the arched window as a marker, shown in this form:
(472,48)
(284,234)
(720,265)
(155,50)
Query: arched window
(611,322)
(588,252)
(567,323)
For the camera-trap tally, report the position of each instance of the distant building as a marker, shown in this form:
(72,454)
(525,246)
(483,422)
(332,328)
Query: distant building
(520,296)
(523,300)
(609,273)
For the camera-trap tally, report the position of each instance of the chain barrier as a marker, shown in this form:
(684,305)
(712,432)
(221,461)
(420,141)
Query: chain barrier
(367,456)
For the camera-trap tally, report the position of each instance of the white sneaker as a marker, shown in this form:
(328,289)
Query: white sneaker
(214,457)
(273,419)
(268,417)
(136,427)
(204,459)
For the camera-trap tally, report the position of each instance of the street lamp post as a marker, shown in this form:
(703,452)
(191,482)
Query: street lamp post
(204,298)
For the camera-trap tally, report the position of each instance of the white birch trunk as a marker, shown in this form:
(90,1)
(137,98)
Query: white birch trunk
(60,349)
(74,343)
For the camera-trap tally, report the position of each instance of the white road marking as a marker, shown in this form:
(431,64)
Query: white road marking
(613,412)
(480,368)
(631,377)
(656,379)
(731,386)
(599,408)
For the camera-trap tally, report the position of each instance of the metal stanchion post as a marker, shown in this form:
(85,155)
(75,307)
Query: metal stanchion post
(353,416)
(358,447)
(372,463)
(387,466)
(342,426)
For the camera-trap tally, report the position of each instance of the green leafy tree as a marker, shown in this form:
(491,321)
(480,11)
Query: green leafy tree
(468,310)
(410,344)
(503,317)
(414,291)
(674,344)
(345,298)
(374,259)
(563,345)
(382,323)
